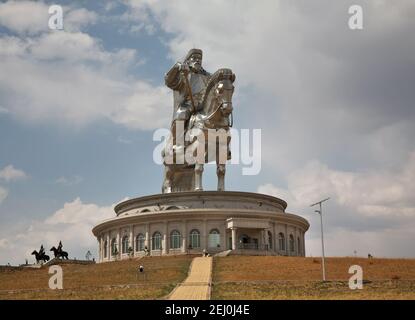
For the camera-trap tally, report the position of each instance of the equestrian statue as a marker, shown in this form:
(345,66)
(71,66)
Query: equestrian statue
(58,252)
(40,256)
(200,129)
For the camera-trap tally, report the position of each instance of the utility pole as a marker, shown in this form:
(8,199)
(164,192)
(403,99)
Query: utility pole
(322,239)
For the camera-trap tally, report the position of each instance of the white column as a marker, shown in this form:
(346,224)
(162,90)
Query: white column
(205,235)
(99,248)
(108,246)
(295,240)
(132,238)
(287,240)
(184,236)
(233,238)
(101,258)
(119,242)
(266,238)
(303,241)
(164,243)
(147,240)
(275,238)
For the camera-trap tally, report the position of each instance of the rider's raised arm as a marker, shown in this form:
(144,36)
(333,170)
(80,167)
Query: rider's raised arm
(174,79)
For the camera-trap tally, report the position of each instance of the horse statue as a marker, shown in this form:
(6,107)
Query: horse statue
(214,113)
(40,257)
(59,253)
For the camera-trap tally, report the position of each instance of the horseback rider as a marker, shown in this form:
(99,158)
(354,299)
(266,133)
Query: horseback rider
(60,247)
(41,251)
(188,80)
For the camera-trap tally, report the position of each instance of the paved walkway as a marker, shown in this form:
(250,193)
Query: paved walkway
(197,284)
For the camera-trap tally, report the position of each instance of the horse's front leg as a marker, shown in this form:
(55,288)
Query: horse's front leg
(168,175)
(220,172)
(198,177)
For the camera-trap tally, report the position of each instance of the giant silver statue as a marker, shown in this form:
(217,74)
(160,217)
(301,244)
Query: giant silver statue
(202,109)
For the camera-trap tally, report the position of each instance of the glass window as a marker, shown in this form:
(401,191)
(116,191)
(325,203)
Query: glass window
(281,241)
(125,244)
(114,249)
(214,239)
(194,239)
(270,239)
(291,243)
(139,242)
(105,248)
(156,241)
(175,239)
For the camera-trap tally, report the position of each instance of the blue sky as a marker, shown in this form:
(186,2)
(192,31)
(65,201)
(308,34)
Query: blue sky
(78,109)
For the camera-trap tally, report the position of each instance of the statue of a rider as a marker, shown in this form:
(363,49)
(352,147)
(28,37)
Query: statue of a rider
(209,98)
(60,247)
(41,251)
(188,81)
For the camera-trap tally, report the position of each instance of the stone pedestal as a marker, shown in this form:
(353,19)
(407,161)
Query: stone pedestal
(246,222)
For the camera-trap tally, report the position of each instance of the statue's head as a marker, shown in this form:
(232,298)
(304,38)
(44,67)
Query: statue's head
(194,58)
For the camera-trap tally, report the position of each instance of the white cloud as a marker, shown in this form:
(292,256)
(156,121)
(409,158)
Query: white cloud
(3,243)
(72,224)
(124,141)
(29,17)
(147,108)
(298,62)
(77,19)
(393,243)
(77,46)
(148,28)
(24,16)
(376,204)
(371,193)
(71,181)
(41,82)
(67,77)
(76,212)
(9,173)
(3,194)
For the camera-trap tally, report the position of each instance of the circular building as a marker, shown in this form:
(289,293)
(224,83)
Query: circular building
(194,222)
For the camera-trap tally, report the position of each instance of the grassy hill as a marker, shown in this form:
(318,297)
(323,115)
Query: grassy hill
(234,277)
(113,280)
(243,277)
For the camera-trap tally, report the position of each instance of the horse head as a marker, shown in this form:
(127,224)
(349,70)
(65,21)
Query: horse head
(224,91)
(218,96)
(34,252)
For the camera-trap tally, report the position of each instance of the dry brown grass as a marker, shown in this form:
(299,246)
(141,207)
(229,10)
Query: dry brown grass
(314,290)
(237,268)
(113,280)
(249,277)
(235,277)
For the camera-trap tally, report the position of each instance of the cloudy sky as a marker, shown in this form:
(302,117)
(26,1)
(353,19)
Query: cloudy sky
(79,106)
